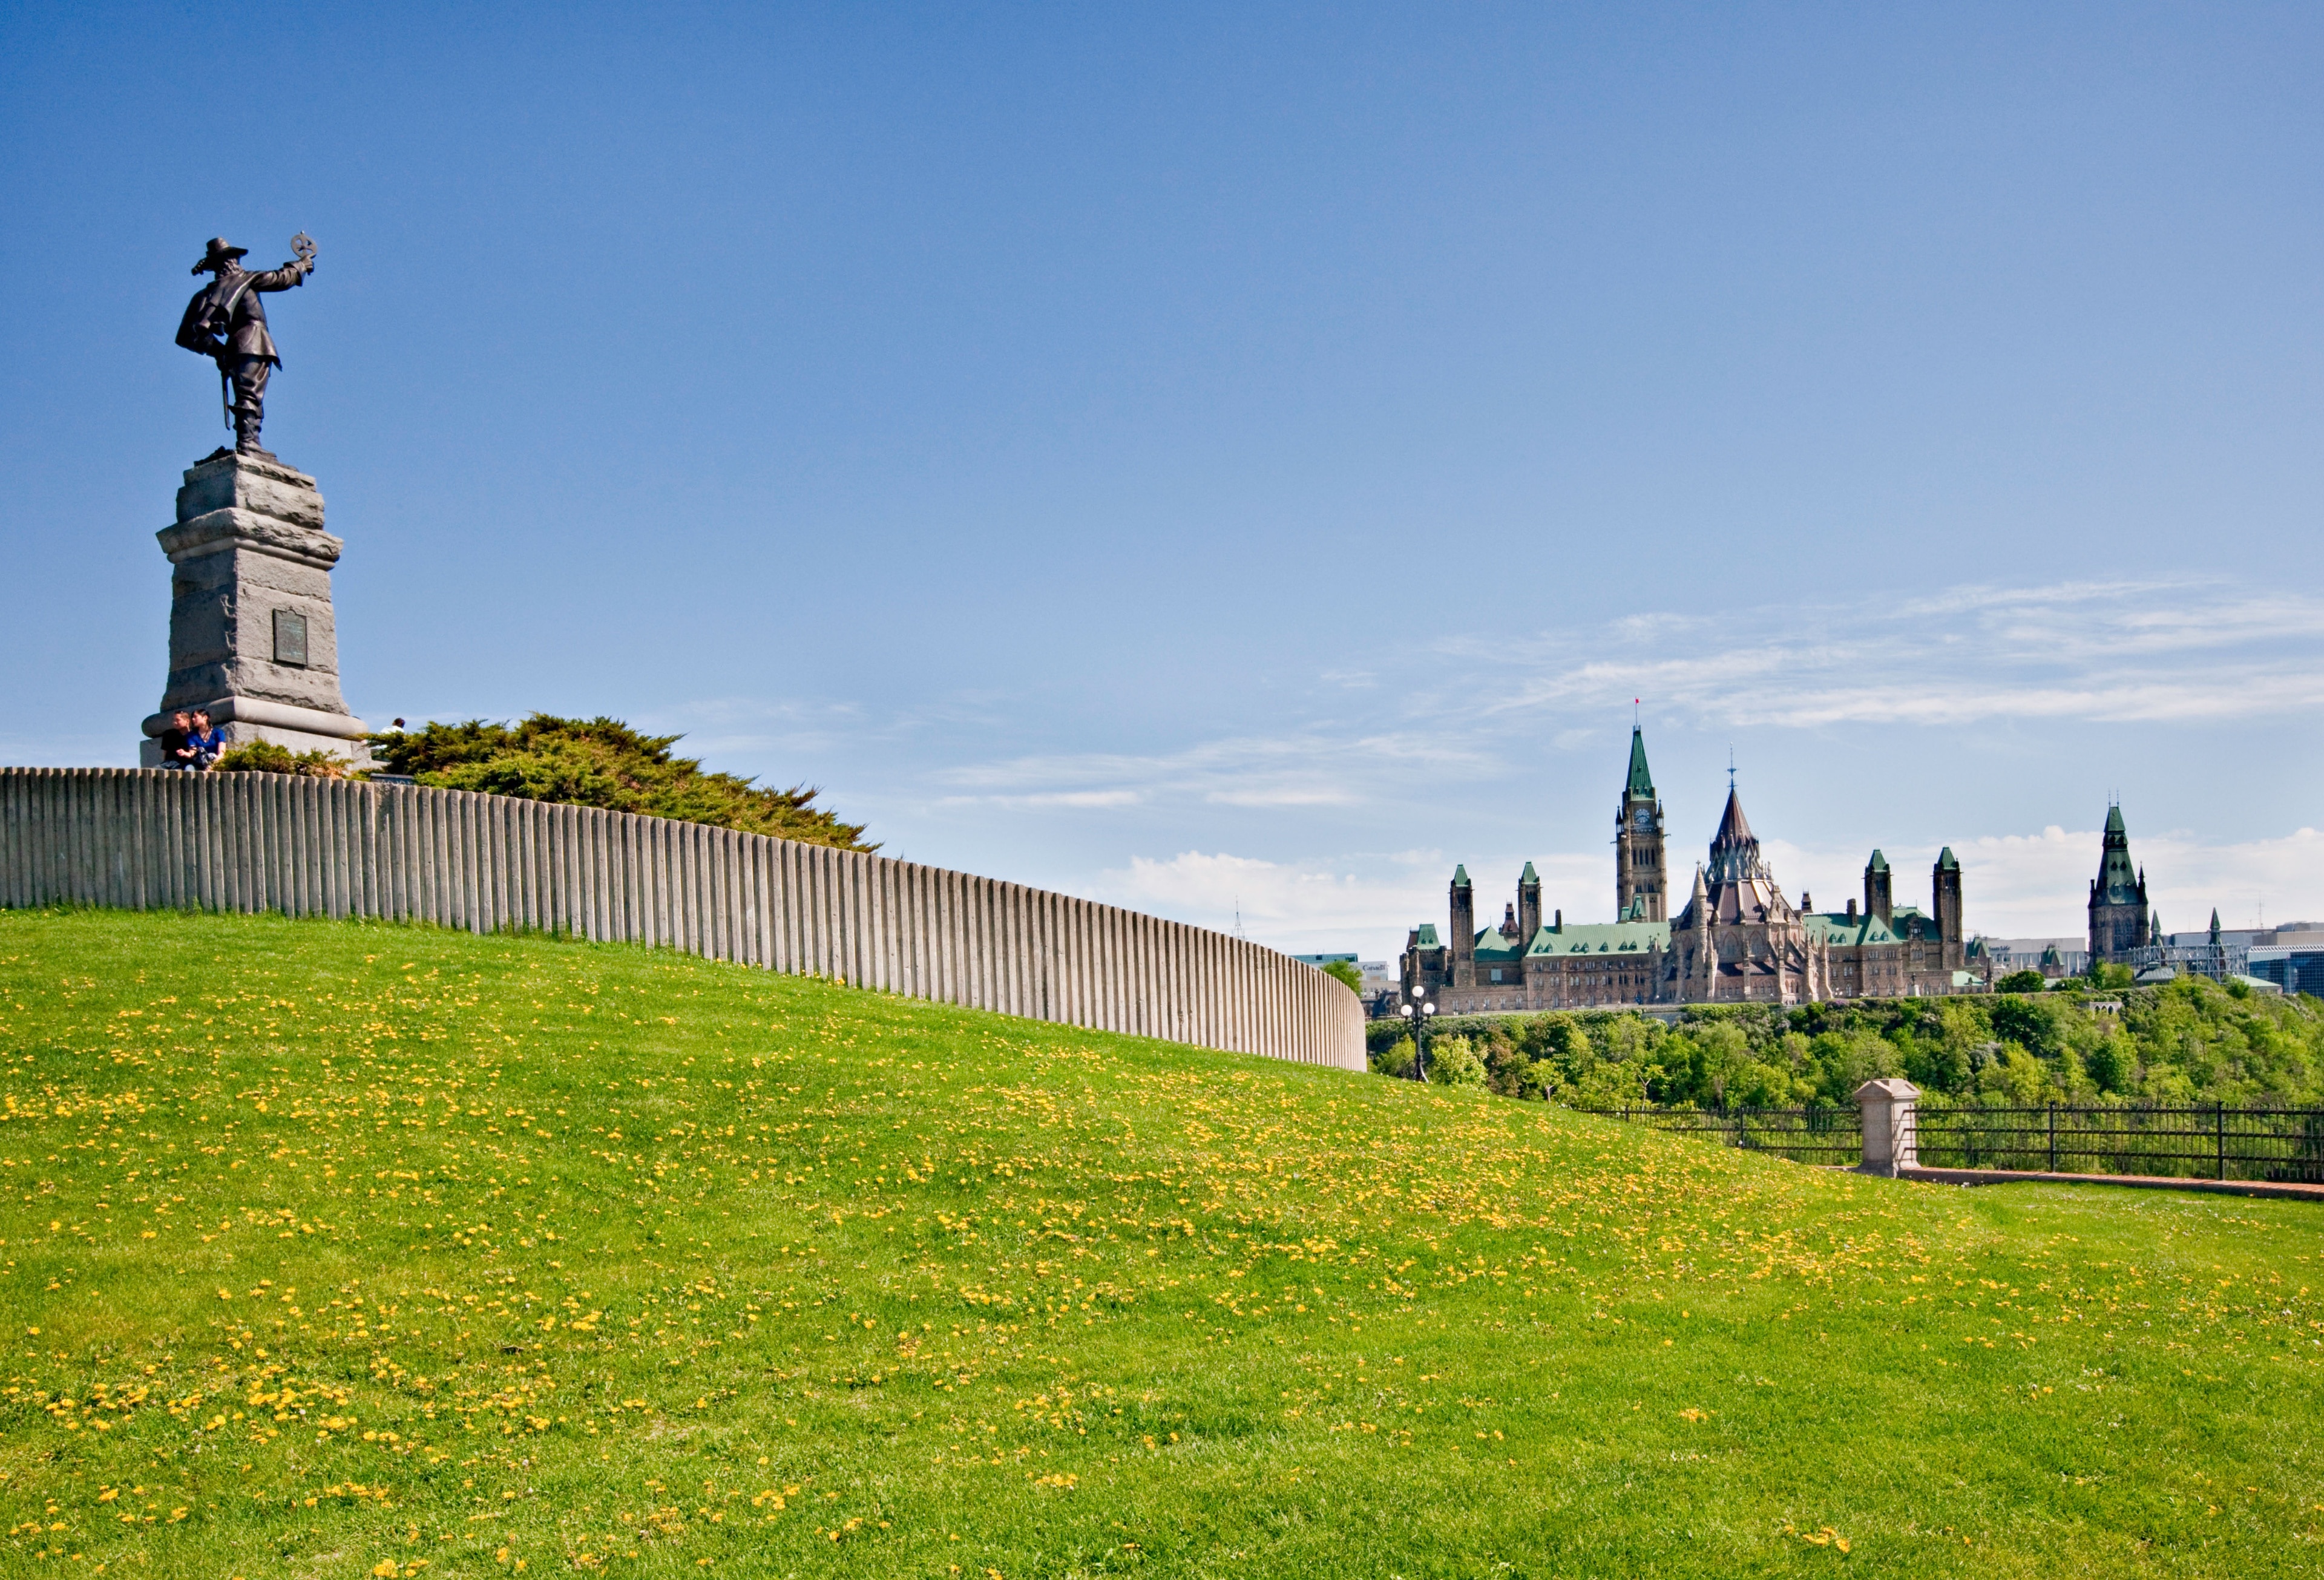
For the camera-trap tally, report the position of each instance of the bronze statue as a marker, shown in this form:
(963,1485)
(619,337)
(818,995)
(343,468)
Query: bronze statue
(227,323)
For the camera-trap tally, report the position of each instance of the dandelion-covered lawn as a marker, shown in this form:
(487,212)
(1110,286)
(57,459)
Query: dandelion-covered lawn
(344,1249)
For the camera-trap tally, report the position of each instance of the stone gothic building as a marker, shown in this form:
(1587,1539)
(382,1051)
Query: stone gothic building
(1739,940)
(2120,918)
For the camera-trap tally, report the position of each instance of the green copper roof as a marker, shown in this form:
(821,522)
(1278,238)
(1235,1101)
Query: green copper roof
(1496,948)
(1427,937)
(1460,877)
(1838,928)
(1945,861)
(1642,783)
(1601,938)
(2114,821)
(1527,874)
(1878,863)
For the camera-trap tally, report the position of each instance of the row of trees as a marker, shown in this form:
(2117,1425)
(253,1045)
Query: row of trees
(2189,1041)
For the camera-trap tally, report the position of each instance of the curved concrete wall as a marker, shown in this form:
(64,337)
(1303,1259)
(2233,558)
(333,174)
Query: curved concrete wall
(149,839)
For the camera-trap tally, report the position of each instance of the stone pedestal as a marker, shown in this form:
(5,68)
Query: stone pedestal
(1889,1108)
(251,635)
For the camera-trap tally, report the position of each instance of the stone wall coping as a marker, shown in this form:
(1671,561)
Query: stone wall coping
(258,711)
(2283,1189)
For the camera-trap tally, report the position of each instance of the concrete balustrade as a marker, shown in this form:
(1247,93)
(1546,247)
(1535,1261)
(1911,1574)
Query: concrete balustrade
(151,839)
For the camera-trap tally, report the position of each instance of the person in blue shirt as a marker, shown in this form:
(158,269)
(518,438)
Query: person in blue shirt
(208,742)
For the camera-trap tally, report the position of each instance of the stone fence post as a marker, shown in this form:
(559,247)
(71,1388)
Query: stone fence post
(1890,1126)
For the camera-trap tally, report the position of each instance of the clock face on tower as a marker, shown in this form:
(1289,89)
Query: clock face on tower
(1641,817)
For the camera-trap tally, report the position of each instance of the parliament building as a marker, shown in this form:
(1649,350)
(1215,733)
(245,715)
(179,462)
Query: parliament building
(1737,940)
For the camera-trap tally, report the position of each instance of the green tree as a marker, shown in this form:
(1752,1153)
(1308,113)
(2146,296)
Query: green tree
(1345,973)
(1452,1061)
(603,762)
(1394,1060)
(2021,982)
(2110,1064)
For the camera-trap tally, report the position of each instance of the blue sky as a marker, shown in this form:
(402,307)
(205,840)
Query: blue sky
(1200,456)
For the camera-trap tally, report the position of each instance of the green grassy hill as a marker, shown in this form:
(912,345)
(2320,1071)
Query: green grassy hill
(344,1249)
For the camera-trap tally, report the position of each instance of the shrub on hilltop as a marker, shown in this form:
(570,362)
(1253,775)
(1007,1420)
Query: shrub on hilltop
(267,756)
(603,762)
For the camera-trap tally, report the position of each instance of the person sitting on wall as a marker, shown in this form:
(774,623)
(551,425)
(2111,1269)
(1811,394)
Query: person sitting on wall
(177,744)
(207,739)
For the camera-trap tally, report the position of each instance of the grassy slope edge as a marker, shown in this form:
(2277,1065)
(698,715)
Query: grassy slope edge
(341,1249)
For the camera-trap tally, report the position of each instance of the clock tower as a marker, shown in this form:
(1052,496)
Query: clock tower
(1640,882)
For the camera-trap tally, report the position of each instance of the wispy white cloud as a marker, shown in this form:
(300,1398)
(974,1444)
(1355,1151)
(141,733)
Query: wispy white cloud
(2099,651)
(1079,798)
(1365,901)
(1308,769)
(2149,651)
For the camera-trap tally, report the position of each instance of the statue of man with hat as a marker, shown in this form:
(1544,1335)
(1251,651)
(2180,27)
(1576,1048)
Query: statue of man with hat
(227,323)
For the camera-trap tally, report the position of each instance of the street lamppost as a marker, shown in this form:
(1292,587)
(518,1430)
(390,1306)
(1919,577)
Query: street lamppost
(1417,1010)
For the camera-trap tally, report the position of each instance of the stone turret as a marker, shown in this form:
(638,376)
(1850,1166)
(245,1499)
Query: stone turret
(1879,889)
(1703,956)
(1945,907)
(1463,939)
(1528,902)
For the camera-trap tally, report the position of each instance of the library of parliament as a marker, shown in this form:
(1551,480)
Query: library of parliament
(1737,940)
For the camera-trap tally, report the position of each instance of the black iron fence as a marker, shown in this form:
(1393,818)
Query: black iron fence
(1806,1135)
(2209,1141)
(2204,1142)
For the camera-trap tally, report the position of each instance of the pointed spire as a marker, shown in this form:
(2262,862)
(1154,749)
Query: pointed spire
(1527,876)
(1879,863)
(1461,876)
(2119,883)
(1642,782)
(1947,862)
(2215,924)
